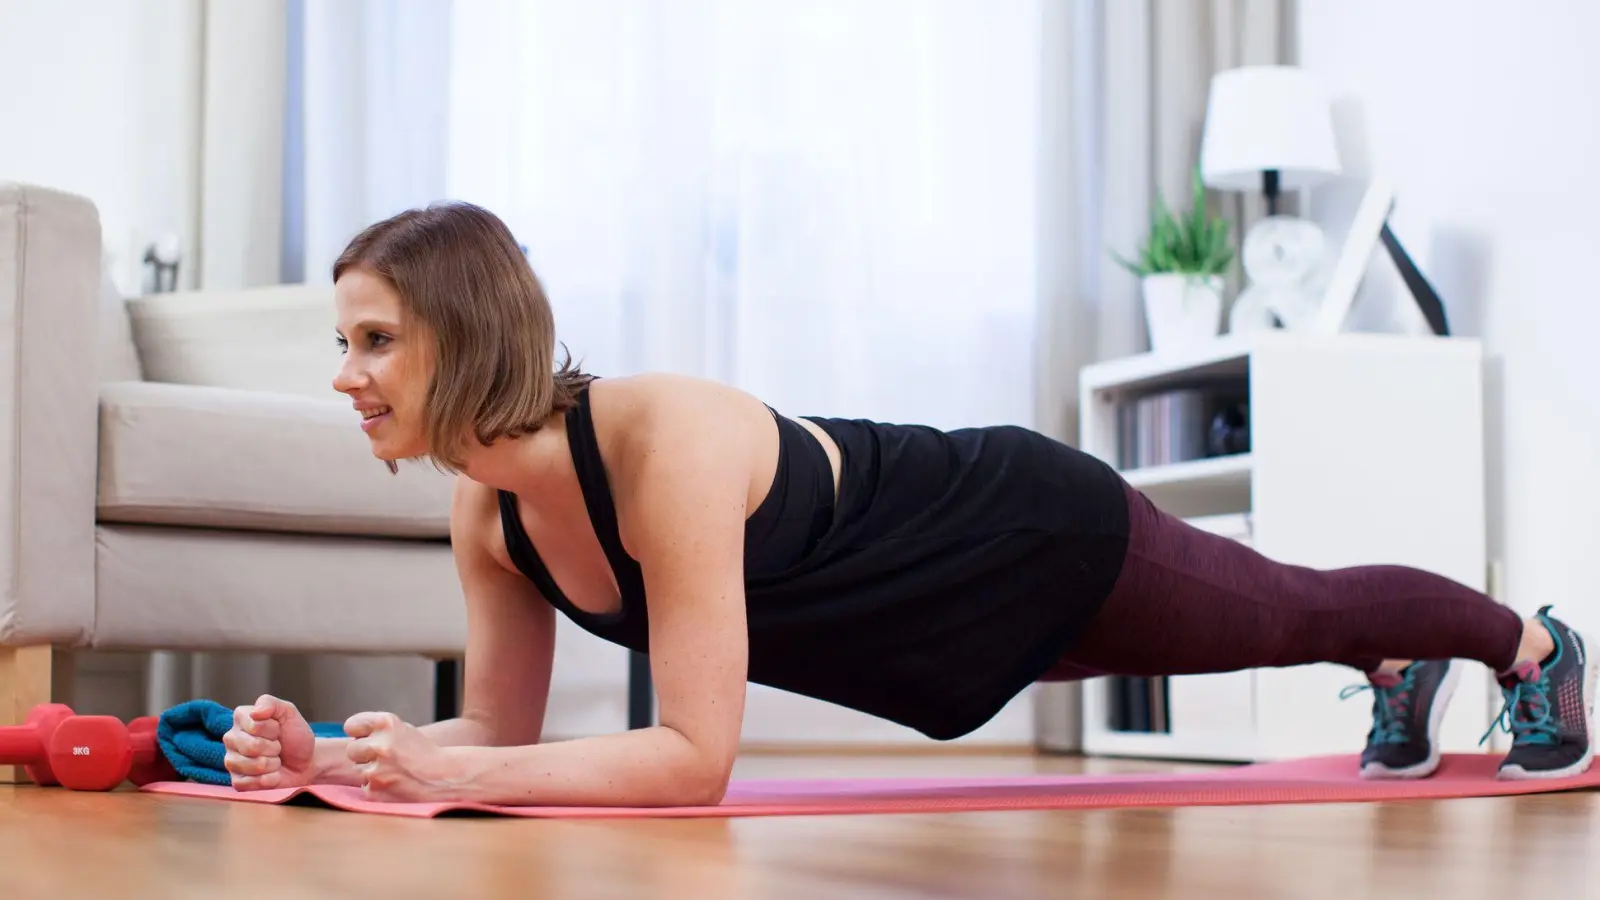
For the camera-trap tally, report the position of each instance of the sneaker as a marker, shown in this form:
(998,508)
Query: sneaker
(1407,708)
(1549,709)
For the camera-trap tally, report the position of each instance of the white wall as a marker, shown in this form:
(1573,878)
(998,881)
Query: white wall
(101,97)
(1481,112)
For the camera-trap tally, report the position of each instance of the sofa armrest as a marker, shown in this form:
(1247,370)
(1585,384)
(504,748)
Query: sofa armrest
(50,261)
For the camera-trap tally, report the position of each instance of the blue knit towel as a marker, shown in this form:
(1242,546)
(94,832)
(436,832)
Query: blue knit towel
(190,734)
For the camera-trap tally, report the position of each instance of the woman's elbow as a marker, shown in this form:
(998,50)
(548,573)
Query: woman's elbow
(704,766)
(707,785)
(705,778)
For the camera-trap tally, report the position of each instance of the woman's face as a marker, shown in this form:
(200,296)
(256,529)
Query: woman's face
(388,361)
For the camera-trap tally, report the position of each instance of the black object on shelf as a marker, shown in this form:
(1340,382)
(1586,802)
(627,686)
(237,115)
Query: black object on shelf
(1230,430)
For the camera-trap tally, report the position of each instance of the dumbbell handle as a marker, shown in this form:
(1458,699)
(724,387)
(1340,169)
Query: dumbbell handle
(145,747)
(150,764)
(20,744)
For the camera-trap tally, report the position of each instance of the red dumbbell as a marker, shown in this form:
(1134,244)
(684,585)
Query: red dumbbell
(86,753)
(28,745)
(150,765)
(97,753)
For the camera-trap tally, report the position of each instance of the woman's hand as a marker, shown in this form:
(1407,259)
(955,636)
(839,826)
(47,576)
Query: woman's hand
(269,746)
(397,762)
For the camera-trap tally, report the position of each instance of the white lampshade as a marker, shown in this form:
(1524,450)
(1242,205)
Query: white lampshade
(1267,117)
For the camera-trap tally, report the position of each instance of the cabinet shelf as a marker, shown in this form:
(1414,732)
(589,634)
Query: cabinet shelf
(1216,470)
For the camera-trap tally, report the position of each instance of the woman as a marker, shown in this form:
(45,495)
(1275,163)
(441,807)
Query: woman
(922,576)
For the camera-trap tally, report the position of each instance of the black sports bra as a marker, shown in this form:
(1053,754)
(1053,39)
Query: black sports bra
(782,531)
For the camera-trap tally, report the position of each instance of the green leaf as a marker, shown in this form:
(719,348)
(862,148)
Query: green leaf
(1194,243)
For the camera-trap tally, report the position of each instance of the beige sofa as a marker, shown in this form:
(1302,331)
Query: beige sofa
(177,473)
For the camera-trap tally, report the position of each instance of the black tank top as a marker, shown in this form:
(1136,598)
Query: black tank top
(955,568)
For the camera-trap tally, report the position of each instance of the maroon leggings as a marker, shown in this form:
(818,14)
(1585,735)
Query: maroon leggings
(1190,602)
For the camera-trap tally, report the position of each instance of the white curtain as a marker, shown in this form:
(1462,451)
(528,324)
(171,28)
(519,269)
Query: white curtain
(366,120)
(831,204)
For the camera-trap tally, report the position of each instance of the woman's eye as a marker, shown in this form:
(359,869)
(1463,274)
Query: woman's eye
(341,343)
(378,340)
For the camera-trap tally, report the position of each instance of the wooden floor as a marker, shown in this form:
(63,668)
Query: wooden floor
(58,844)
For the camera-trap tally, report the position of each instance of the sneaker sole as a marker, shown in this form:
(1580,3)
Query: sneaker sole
(1436,713)
(1591,672)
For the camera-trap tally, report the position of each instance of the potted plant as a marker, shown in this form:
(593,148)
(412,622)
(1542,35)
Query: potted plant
(1180,269)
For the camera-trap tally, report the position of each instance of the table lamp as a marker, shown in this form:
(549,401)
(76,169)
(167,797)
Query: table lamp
(1270,128)
(1267,127)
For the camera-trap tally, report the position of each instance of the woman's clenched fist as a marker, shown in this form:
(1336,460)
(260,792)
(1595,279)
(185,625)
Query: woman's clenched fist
(397,761)
(269,746)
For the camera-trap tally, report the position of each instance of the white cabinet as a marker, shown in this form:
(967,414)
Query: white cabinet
(1363,449)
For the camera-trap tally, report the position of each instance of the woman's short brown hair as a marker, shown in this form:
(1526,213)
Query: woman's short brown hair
(458,270)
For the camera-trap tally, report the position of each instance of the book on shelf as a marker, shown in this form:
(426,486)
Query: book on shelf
(1138,703)
(1183,423)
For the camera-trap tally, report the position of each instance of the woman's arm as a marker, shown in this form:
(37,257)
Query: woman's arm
(681,486)
(510,645)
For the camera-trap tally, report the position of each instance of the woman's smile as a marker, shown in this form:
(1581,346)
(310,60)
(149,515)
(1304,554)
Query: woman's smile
(373,415)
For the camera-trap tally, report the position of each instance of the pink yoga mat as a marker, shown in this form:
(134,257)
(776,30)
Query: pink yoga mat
(1326,779)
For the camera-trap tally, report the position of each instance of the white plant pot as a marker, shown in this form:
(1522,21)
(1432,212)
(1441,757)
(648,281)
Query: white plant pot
(1182,310)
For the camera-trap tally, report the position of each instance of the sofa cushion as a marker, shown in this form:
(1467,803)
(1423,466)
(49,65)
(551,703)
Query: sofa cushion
(197,455)
(276,338)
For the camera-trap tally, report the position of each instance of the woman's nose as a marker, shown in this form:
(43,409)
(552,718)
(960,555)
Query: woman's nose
(347,378)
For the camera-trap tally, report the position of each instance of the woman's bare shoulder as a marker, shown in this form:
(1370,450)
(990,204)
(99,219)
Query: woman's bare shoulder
(660,404)
(672,426)
(656,391)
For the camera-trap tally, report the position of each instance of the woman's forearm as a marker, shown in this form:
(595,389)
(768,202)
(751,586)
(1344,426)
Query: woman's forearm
(333,766)
(458,732)
(649,767)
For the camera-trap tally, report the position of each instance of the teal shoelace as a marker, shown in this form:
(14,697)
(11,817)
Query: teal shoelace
(1391,706)
(1526,715)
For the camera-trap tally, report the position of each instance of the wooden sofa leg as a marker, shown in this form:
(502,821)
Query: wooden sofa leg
(30,676)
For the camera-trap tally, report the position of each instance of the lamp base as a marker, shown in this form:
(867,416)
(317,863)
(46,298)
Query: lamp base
(1269,189)
(1279,254)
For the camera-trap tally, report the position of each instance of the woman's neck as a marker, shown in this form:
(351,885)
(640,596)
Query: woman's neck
(527,466)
